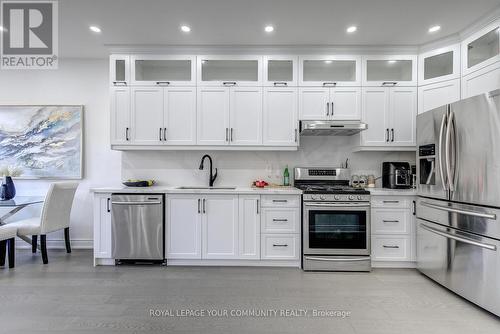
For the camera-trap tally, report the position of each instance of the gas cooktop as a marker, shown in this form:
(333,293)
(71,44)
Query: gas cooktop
(331,189)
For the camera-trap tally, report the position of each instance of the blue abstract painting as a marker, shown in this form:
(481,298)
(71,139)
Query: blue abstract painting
(42,141)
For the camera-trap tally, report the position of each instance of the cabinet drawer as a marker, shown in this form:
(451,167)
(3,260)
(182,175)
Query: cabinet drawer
(396,202)
(280,220)
(391,248)
(290,201)
(390,221)
(280,246)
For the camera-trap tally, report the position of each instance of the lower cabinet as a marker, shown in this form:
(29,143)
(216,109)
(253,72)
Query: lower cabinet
(393,229)
(102,226)
(249,227)
(280,246)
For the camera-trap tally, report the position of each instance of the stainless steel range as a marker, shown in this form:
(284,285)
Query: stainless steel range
(335,220)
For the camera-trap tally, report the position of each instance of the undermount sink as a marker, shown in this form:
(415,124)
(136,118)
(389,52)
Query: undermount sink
(205,188)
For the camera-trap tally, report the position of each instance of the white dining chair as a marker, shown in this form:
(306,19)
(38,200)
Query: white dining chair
(55,216)
(7,237)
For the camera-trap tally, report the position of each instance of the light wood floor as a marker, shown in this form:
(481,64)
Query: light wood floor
(70,296)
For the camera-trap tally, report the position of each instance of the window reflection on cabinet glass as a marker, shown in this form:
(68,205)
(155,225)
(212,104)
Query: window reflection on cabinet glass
(229,70)
(389,70)
(120,70)
(329,70)
(483,48)
(438,65)
(280,70)
(170,70)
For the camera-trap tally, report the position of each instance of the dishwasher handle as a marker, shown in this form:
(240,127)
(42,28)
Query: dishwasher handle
(135,203)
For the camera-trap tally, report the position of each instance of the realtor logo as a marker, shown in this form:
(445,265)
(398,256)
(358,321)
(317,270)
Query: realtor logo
(29,36)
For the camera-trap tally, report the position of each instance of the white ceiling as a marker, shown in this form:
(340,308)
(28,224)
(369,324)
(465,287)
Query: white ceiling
(241,22)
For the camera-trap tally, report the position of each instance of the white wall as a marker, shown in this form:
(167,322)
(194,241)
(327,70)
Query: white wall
(241,168)
(75,82)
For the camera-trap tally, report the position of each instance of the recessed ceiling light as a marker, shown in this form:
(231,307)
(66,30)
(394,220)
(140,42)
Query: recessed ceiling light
(328,61)
(269,28)
(95,29)
(392,61)
(351,29)
(434,29)
(185,28)
(2,28)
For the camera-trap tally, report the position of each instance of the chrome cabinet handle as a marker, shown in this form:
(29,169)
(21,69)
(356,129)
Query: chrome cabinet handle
(296,135)
(279,220)
(160,134)
(204,206)
(231,136)
(280,83)
(390,221)
(387,201)
(329,84)
(387,135)
(107,205)
(389,83)
(280,200)
(280,245)
(392,135)
(386,246)
(331,104)
(126,134)
(163,83)
(165,134)
(444,179)
(119,83)
(457,238)
(336,260)
(327,108)
(229,83)
(227,134)
(460,211)
(199,200)
(257,205)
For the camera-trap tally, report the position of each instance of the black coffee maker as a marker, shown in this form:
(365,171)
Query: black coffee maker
(396,175)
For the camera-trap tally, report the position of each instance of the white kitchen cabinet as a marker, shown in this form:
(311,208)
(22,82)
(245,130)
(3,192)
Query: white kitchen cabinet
(280,71)
(280,125)
(119,70)
(229,70)
(146,115)
(390,113)
(330,71)
(481,81)
(245,116)
(390,70)
(342,103)
(249,213)
(163,70)
(439,65)
(481,49)
(280,246)
(220,227)
(102,226)
(179,116)
(120,115)
(213,116)
(183,232)
(438,94)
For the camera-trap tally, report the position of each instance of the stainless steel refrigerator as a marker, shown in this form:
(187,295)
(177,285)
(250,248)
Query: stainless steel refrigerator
(458,206)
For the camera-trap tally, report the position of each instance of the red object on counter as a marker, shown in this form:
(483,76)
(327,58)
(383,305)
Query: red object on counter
(261,183)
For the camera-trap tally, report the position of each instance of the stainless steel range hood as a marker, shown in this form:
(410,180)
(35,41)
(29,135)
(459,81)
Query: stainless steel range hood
(331,128)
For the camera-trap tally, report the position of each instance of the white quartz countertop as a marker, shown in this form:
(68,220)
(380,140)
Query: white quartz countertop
(392,192)
(176,190)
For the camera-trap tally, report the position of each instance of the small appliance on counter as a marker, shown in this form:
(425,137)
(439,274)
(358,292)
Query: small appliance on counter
(396,175)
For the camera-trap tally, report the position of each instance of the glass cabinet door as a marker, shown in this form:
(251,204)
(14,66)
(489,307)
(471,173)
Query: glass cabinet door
(244,71)
(280,71)
(392,71)
(119,70)
(163,71)
(330,72)
(438,65)
(483,48)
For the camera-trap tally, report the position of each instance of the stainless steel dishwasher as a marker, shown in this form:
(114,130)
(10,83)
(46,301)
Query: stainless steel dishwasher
(137,226)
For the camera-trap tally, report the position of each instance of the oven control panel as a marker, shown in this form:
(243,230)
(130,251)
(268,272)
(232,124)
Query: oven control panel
(336,198)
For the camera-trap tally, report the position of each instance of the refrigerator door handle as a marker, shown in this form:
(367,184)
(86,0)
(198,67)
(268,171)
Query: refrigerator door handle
(491,216)
(458,238)
(444,179)
(450,144)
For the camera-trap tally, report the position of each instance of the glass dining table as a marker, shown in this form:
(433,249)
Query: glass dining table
(15,205)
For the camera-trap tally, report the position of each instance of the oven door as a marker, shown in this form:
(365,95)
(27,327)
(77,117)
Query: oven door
(336,228)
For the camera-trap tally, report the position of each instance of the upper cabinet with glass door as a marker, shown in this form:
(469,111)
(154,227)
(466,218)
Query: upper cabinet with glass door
(229,70)
(390,70)
(280,71)
(481,49)
(330,71)
(439,65)
(157,70)
(119,70)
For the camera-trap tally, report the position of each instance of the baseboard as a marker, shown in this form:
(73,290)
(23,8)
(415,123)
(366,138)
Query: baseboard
(394,264)
(59,244)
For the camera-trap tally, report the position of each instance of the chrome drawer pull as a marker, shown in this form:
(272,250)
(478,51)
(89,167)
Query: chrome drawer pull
(391,201)
(390,221)
(279,220)
(385,246)
(280,200)
(457,238)
(463,212)
(280,245)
